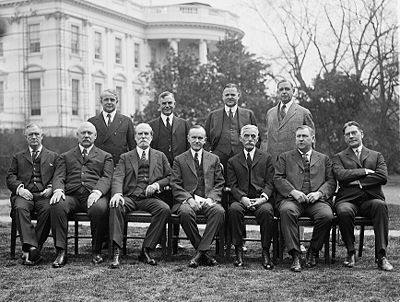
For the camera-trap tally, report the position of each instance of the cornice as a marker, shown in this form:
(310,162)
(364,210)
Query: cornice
(195,25)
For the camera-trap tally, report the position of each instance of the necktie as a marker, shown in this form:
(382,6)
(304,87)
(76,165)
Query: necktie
(143,158)
(196,159)
(357,153)
(108,120)
(168,124)
(34,155)
(84,153)
(248,160)
(282,113)
(231,114)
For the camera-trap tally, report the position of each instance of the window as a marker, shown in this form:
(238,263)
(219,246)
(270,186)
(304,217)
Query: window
(1,96)
(97,92)
(137,55)
(74,39)
(119,94)
(118,50)
(34,96)
(97,45)
(75,97)
(34,38)
(1,49)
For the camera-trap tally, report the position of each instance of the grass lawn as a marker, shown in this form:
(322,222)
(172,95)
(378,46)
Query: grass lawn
(174,281)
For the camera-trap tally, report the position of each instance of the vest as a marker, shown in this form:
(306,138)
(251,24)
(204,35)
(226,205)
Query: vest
(200,190)
(306,187)
(229,141)
(35,183)
(142,179)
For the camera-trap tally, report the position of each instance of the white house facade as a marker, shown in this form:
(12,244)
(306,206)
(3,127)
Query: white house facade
(57,56)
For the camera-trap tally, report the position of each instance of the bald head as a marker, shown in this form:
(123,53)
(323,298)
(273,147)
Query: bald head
(86,134)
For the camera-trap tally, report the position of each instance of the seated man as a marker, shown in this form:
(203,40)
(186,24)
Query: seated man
(29,180)
(81,182)
(197,183)
(361,172)
(250,177)
(140,174)
(305,183)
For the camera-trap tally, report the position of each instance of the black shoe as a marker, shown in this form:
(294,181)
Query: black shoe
(195,261)
(384,264)
(33,257)
(61,258)
(296,266)
(96,258)
(210,261)
(266,260)
(146,258)
(238,256)
(115,261)
(311,258)
(350,260)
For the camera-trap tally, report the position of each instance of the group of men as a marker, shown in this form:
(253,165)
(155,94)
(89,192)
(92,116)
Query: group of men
(116,169)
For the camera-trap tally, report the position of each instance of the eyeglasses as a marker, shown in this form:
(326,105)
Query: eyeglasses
(352,133)
(109,100)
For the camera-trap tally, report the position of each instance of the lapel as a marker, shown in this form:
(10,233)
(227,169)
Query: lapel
(174,124)
(190,162)
(315,157)
(134,159)
(152,161)
(219,116)
(242,160)
(297,158)
(44,156)
(364,154)
(100,123)
(241,117)
(257,157)
(116,123)
(292,111)
(27,156)
(92,153)
(351,155)
(78,154)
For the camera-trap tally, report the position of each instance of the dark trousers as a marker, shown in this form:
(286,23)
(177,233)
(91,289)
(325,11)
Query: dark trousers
(215,220)
(290,210)
(264,216)
(157,208)
(98,214)
(30,235)
(376,210)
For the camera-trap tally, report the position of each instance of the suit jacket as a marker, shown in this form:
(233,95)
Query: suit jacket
(20,171)
(184,177)
(289,175)
(94,172)
(347,168)
(214,121)
(281,136)
(262,174)
(125,174)
(180,130)
(117,139)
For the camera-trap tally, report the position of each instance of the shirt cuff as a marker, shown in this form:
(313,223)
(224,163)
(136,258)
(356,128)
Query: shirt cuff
(58,190)
(18,188)
(97,192)
(263,195)
(157,186)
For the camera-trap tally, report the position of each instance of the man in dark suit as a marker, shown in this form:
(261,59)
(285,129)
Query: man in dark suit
(138,177)
(223,125)
(29,180)
(305,183)
(283,120)
(197,183)
(114,130)
(81,182)
(250,177)
(361,172)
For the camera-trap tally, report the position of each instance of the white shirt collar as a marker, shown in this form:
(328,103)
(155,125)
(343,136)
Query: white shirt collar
(359,148)
(140,152)
(234,109)
(164,119)
(252,152)
(200,153)
(112,116)
(308,154)
(87,149)
(287,105)
(39,149)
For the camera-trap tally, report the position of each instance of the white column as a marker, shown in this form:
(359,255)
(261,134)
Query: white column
(173,43)
(202,51)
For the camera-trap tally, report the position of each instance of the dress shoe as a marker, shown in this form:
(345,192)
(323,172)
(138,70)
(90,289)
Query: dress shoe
(384,264)
(296,266)
(146,258)
(350,260)
(210,261)
(97,259)
(195,261)
(61,258)
(115,261)
(238,256)
(32,257)
(311,260)
(266,260)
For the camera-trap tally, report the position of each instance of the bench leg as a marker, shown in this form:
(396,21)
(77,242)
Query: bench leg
(334,233)
(125,238)
(361,244)
(13,237)
(76,234)
(169,241)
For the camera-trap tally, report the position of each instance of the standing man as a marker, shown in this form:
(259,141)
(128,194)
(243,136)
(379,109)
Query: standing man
(250,177)
(223,125)
(81,182)
(305,183)
(29,180)
(114,130)
(197,183)
(361,172)
(283,120)
(139,176)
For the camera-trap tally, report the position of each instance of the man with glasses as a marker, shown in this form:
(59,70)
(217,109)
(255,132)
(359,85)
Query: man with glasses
(114,131)
(29,179)
(197,183)
(361,172)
